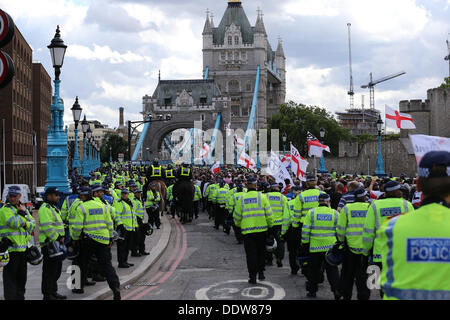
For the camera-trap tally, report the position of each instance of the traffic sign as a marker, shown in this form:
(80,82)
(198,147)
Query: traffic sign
(7,28)
(6,69)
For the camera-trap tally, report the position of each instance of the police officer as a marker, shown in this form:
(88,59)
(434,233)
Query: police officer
(91,229)
(169,175)
(184,173)
(354,263)
(231,205)
(139,243)
(124,208)
(278,203)
(16,224)
(415,247)
(51,229)
(254,216)
(219,219)
(152,201)
(319,235)
(379,211)
(197,199)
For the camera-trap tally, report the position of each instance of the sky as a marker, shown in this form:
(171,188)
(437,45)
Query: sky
(116,47)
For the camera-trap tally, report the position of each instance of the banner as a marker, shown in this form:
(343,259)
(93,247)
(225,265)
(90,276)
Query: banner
(276,169)
(422,144)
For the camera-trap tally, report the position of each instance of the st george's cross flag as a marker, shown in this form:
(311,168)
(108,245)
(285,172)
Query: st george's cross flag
(216,167)
(395,119)
(205,151)
(246,161)
(298,164)
(315,148)
(239,142)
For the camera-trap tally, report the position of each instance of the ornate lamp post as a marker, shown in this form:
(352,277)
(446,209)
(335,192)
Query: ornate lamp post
(76,111)
(84,128)
(284,137)
(89,157)
(110,154)
(322,159)
(57,170)
(380,166)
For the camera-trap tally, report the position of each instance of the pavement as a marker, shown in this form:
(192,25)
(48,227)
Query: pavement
(156,244)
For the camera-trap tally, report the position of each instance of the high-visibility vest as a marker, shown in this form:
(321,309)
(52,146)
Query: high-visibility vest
(211,192)
(109,209)
(156,171)
(139,208)
(351,224)
(253,213)
(50,224)
(319,229)
(232,200)
(278,204)
(303,203)
(415,254)
(185,172)
(222,194)
(10,227)
(169,192)
(91,219)
(288,217)
(198,193)
(66,206)
(169,174)
(152,199)
(379,211)
(127,214)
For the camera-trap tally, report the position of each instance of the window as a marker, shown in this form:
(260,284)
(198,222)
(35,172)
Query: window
(233,86)
(249,86)
(245,112)
(230,40)
(235,111)
(236,56)
(236,40)
(244,55)
(203,117)
(223,56)
(203,100)
(167,101)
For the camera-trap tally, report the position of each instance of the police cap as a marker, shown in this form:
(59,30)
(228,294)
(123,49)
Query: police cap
(310,177)
(85,191)
(435,159)
(14,191)
(324,197)
(391,186)
(51,190)
(97,187)
(360,192)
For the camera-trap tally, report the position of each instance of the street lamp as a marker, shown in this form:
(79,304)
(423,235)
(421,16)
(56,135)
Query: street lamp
(322,159)
(380,167)
(84,128)
(57,155)
(89,150)
(284,137)
(76,112)
(110,154)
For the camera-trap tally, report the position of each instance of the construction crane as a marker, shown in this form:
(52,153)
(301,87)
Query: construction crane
(350,92)
(447,58)
(371,85)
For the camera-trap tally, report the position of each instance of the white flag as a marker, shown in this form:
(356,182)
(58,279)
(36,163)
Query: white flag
(239,142)
(276,169)
(298,164)
(423,144)
(246,161)
(395,119)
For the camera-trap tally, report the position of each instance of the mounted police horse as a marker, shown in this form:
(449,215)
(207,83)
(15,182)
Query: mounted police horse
(183,192)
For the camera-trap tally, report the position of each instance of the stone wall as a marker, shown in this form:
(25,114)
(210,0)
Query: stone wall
(354,157)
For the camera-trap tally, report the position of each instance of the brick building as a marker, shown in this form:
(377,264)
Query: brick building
(24,106)
(42,98)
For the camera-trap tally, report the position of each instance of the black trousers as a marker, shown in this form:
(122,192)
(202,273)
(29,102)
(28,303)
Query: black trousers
(315,271)
(51,271)
(219,218)
(196,205)
(354,267)
(139,243)
(124,246)
(237,233)
(153,217)
(102,253)
(279,251)
(255,251)
(293,244)
(15,276)
(380,265)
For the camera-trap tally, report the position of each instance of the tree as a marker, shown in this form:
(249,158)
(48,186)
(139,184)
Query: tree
(118,145)
(446,83)
(297,119)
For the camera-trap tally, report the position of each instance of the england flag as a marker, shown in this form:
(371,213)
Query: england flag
(315,148)
(246,161)
(298,164)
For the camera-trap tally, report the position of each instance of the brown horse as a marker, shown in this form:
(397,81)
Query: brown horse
(162,189)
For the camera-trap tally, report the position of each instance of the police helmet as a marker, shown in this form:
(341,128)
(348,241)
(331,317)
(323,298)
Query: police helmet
(34,256)
(335,254)
(147,229)
(271,244)
(57,250)
(4,258)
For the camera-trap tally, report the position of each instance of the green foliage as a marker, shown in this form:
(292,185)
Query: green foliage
(297,119)
(117,144)
(364,138)
(446,83)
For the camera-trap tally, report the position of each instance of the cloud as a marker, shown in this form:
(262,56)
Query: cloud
(104,53)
